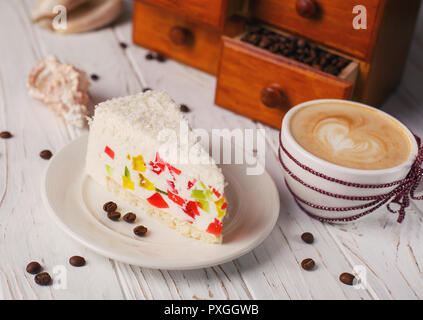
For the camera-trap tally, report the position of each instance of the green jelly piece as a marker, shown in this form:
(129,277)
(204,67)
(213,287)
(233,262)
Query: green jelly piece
(198,194)
(109,170)
(127,174)
(205,205)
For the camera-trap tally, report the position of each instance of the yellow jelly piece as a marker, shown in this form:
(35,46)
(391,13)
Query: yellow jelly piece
(138,163)
(145,183)
(128,157)
(127,183)
(109,170)
(219,203)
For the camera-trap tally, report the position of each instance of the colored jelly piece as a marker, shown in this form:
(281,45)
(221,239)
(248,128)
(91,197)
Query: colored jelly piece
(175,198)
(173,169)
(215,227)
(172,186)
(204,205)
(219,207)
(161,191)
(191,183)
(109,170)
(191,209)
(158,166)
(145,183)
(109,152)
(157,201)
(127,173)
(216,193)
(128,183)
(198,194)
(128,157)
(138,163)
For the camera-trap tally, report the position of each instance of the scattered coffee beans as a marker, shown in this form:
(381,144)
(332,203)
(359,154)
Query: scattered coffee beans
(46,154)
(33,267)
(115,216)
(140,231)
(77,261)
(150,56)
(129,217)
(110,206)
(43,279)
(94,77)
(184,108)
(160,58)
(146,89)
(347,278)
(5,135)
(308,264)
(307,237)
(123,45)
(298,49)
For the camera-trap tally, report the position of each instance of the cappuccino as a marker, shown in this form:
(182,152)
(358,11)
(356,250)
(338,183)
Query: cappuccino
(350,135)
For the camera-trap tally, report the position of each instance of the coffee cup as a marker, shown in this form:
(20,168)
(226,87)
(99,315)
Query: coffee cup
(328,189)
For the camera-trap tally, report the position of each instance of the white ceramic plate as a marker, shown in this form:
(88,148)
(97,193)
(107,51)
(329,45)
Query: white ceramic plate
(75,202)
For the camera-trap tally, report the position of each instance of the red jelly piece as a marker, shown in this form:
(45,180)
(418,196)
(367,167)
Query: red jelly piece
(172,186)
(224,206)
(191,209)
(158,165)
(109,152)
(157,201)
(191,183)
(173,169)
(175,198)
(216,193)
(215,227)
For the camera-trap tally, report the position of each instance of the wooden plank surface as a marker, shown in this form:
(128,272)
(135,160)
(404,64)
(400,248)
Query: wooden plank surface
(390,254)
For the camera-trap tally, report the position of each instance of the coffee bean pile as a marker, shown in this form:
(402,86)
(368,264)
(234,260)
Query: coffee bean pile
(110,207)
(298,49)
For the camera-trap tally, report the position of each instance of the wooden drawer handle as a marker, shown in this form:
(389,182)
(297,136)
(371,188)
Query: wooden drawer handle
(181,36)
(272,97)
(306,8)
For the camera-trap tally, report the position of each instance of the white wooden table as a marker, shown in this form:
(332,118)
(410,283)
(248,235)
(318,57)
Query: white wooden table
(390,253)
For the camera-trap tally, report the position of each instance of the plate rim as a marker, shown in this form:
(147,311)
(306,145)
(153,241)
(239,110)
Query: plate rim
(126,259)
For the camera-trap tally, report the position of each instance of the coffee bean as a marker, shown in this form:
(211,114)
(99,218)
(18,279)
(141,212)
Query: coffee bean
(33,267)
(123,45)
(308,264)
(184,108)
(150,56)
(110,206)
(115,216)
(94,77)
(347,278)
(130,217)
(77,261)
(160,58)
(296,48)
(43,279)
(307,237)
(140,231)
(5,135)
(146,89)
(46,154)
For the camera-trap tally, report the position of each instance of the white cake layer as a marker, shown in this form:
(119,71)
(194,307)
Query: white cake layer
(125,146)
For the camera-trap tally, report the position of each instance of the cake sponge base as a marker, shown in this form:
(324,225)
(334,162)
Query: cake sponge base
(183,227)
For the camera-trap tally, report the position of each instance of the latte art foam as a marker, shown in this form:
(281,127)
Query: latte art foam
(350,136)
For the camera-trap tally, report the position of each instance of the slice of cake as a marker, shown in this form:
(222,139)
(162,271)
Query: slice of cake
(141,148)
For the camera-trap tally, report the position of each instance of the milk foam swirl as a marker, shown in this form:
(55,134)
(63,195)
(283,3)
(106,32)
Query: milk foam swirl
(345,142)
(350,136)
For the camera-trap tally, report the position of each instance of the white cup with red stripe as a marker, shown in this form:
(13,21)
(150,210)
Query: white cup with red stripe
(332,192)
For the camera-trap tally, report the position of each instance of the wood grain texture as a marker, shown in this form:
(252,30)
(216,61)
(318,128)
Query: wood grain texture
(213,13)
(151,29)
(391,254)
(246,70)
(332,26)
